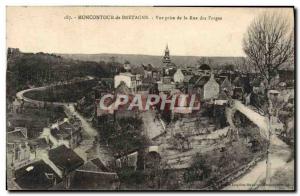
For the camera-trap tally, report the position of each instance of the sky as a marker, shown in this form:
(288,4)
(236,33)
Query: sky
(46,29)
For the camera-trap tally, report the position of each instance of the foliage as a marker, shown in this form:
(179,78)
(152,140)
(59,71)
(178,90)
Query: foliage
(124,135)
(130,176)
(63,93)
(209,167)
(200,169)
(41,69)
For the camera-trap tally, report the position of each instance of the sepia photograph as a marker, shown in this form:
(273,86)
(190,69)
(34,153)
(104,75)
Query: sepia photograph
(150,98)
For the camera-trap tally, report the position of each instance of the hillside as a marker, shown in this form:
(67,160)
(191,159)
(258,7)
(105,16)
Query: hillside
(39,69)
(137,59)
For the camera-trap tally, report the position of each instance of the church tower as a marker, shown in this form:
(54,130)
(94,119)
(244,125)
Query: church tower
(166,59)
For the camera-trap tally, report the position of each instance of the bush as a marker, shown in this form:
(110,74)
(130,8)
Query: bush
(129,176)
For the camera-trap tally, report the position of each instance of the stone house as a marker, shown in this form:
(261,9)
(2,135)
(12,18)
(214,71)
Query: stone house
(129,79)
(67,161)
(68,132)
(205,86)
(225,84)
(18,150)
(178,76)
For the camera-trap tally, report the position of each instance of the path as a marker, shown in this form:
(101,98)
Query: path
(280,153)
(89,133)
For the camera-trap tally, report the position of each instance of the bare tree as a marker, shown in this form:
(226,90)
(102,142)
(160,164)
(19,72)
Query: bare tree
(269,44)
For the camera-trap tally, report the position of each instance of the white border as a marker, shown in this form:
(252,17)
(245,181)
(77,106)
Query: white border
(4,3)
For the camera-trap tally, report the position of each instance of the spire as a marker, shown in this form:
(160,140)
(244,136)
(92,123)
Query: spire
(166,58)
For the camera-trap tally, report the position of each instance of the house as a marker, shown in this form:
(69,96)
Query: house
(128,78)
(286,74)
(244,82)
(36,176)
(225,84)
(206,86)
(165,87)
(166,84)
(18,150)
(187,75)
(68,133)
(178,76)
(148,71)
(211,88)
(67,161)
(129,161)
(39,146)
(91,177)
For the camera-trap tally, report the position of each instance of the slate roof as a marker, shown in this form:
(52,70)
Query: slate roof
(65,158)
(202,80)
(186,72)
(221,79)
(36,176)
(194,79)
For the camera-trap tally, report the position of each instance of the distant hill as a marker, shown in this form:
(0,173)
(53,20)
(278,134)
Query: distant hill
(40,69)
(156,61)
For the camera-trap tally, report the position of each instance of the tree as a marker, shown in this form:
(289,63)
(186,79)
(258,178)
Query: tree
(269,44)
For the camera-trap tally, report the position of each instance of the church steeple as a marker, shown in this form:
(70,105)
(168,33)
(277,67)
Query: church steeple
(167,58)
